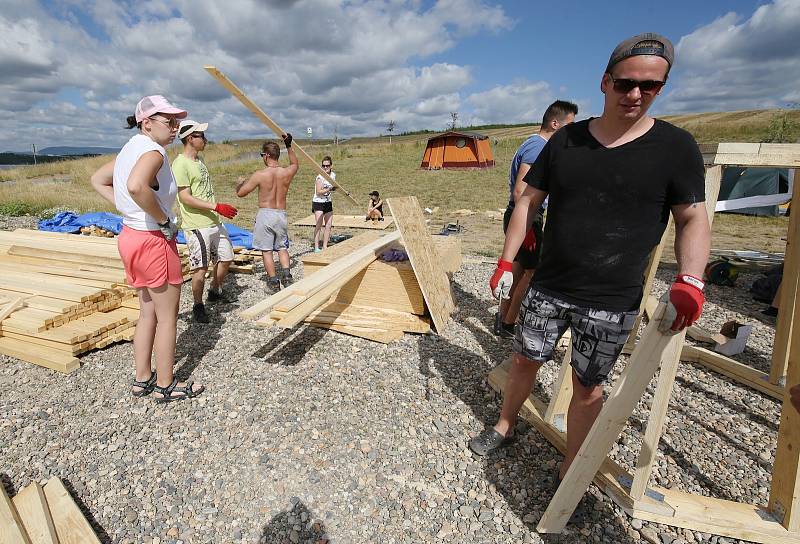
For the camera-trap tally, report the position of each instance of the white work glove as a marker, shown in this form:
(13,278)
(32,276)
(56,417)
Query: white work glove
(502,280)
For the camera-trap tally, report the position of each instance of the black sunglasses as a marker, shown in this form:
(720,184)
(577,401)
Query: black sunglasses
(649,86)
(327,165)
(198,135)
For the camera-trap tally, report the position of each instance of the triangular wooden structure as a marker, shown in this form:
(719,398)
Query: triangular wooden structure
(348,289)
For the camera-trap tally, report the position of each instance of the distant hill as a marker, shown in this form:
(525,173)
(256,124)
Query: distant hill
(67,150)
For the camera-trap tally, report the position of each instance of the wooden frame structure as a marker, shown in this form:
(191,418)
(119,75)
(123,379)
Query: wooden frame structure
(779,521)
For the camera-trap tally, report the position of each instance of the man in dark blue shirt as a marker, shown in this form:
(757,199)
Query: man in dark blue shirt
(557,114)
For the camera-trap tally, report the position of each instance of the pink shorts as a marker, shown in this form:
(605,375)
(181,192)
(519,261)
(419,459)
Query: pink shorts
(149,260)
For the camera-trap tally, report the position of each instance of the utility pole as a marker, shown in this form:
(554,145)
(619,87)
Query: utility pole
(34,153)
(390,129)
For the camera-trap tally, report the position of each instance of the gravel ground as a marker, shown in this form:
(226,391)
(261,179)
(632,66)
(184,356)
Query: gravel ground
(307,435)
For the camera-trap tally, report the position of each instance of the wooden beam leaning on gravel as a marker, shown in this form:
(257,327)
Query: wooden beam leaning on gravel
(223,80)
(308,294)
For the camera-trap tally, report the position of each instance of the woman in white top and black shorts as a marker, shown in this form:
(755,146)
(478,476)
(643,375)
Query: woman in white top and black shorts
(140,184)
(322,206)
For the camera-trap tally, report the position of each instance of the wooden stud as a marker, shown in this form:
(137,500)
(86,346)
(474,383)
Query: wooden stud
(562,392)
(32,507)
(669,368)
(621,402)
(11,528)
(71,526)
(788,296)
(348,222)
(223,80)
(784,497)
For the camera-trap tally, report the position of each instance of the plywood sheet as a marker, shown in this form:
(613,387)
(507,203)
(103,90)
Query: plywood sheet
(348,222)
(432,278)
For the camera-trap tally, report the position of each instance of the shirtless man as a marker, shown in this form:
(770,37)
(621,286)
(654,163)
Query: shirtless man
(270,232)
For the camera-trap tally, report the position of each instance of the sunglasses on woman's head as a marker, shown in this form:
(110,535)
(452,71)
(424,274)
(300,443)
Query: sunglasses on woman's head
(648,86)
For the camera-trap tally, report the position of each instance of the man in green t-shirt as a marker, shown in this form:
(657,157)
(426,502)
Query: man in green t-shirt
(206,237)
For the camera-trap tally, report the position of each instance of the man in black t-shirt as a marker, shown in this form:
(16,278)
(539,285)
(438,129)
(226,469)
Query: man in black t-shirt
(612,183)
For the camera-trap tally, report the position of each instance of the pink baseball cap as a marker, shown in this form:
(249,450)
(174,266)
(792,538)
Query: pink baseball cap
(151,105)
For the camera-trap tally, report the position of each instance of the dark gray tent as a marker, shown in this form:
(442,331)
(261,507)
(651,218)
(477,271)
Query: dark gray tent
(753,182)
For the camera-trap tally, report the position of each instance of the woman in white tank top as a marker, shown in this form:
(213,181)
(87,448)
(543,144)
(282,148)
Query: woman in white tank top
(140,184)
(322,206)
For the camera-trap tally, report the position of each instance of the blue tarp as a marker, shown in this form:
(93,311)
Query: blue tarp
(70,222)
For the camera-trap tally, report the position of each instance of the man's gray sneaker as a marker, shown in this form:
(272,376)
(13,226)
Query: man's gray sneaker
(488,441)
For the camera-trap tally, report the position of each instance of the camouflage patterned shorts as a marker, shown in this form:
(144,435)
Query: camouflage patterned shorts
(597,335)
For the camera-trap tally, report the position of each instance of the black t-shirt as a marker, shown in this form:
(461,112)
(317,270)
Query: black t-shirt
(608,209)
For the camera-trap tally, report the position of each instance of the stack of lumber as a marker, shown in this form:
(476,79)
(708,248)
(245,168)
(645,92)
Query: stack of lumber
(61,295)
(348,222)
(43,514)
(243,260)
(94,230)
(348,289)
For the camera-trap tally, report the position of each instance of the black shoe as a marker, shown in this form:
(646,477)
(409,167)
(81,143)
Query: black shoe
(286,278)
(507,330)
(199,313)
(772,311)
(219,296)
(273,284)
(488,441)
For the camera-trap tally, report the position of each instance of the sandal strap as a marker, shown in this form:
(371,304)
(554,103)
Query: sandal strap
(147,383)
(168,390)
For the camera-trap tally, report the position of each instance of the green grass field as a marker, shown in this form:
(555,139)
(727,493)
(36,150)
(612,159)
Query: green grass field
(366,164)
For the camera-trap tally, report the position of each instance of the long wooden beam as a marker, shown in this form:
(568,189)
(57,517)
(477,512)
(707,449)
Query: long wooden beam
(223,80)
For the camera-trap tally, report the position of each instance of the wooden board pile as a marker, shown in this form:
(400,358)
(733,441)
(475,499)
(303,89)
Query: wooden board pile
(61,295)
(43,514)
(348,222)
(94,230)
(347,287)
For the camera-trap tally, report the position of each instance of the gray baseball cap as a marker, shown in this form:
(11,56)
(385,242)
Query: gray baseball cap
(648,43)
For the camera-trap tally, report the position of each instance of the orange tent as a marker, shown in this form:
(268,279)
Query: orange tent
(454,149)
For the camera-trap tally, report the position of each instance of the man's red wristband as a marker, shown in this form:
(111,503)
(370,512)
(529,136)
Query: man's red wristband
(505,266)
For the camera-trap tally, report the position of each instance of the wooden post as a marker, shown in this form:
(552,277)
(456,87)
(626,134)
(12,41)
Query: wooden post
(649,275)
(669,367)
(621,402)
(784,496)
(788,296)
(562,392)
(249,104)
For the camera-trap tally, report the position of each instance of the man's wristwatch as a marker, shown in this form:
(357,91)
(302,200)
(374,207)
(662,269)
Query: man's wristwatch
(165,224)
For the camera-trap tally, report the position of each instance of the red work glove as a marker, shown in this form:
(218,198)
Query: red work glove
(529,242)
(226,210)
(501,280)
(684,303)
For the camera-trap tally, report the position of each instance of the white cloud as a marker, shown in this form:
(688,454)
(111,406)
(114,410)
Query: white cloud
(324,62)
(735,63)
(520,102)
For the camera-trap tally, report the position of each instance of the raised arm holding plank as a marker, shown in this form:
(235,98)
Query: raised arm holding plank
(235,91)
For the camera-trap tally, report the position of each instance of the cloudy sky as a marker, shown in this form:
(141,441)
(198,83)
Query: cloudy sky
(72,70)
